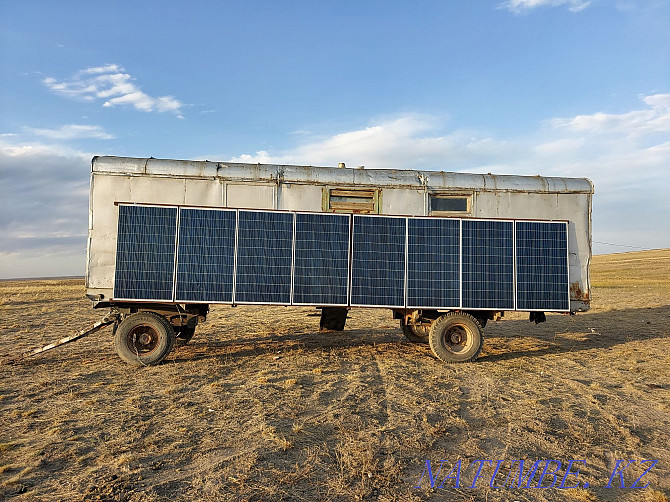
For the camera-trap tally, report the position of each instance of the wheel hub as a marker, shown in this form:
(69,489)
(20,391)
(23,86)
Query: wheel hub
(143,339)
(455,336)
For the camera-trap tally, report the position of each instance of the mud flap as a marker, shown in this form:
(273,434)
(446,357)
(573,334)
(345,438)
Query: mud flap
(333,318)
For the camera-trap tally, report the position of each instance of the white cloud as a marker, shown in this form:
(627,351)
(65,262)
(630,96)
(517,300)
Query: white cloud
(653,119)
(405,142)
(71,131)
(521,6)
(44,207)
(117,88)
(30,149)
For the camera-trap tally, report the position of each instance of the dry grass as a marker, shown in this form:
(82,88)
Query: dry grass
(260,406)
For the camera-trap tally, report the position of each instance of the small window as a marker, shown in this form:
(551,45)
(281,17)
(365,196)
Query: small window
(351,200)
(449,203)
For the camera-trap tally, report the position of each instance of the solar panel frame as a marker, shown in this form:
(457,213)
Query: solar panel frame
(293,246)
(179,255)
(353,261)
(175,261)
(238,265)
(116,296)
(559,262)
(345,218)
(457,252)
(237,226)
(494,305)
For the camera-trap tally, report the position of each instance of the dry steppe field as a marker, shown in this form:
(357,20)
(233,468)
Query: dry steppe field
(261,406)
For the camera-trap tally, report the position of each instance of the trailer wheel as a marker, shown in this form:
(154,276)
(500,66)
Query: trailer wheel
(456,337)
(184,335)
(144,339)
(415,334)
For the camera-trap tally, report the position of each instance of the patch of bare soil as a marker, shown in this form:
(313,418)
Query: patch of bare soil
(261,406)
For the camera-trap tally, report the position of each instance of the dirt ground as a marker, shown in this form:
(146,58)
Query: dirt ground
(261,406)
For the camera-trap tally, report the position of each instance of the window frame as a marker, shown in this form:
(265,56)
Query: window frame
(450,195)
(370,200)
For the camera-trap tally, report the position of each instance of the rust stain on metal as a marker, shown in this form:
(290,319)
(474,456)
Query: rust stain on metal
(576,292)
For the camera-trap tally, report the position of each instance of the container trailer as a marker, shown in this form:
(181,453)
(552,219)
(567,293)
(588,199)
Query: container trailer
(445,251)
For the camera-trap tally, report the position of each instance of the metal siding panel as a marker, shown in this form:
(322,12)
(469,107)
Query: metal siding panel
(264,257)
(378,262)
(251,196)
(321,270)
(145,253)
(104,222)
(542,268)
(488,265)
(433,263)
(402,201)
(205,256)
(294,197)
(204,193)
(156,190)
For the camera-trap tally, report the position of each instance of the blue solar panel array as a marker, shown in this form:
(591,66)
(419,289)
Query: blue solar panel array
(145,252)
(264,257)
(542,267)
(433,263)
(321,269)
(488,264)
(245,256)
(205,255)
(378,261)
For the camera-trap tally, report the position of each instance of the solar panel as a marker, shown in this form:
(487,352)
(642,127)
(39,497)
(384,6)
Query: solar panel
(321,268)
(542,265)
(433,266)
(304,258)
(264,256)
(205,255)
(488,264)
(145,252)
(378,261)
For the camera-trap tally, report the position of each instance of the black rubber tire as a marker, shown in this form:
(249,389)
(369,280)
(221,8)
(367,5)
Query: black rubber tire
(333,318)
(456,337)
(144,339)
(415,334)
(184,335)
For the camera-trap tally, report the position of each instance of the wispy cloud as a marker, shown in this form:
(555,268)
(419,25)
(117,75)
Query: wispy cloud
(112,84)
(71,131)
(410,141)
(404,142)
(522,6)
(653,119)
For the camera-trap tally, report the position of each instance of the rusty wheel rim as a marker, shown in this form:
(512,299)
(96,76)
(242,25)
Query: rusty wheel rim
(457,338)
(143,339)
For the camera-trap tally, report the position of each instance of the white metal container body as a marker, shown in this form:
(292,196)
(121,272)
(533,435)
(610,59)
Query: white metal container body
(303,188)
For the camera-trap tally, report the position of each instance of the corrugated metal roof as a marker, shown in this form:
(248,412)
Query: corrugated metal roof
(436,180)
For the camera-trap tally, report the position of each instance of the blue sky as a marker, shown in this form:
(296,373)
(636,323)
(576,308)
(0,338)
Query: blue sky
(551,87)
